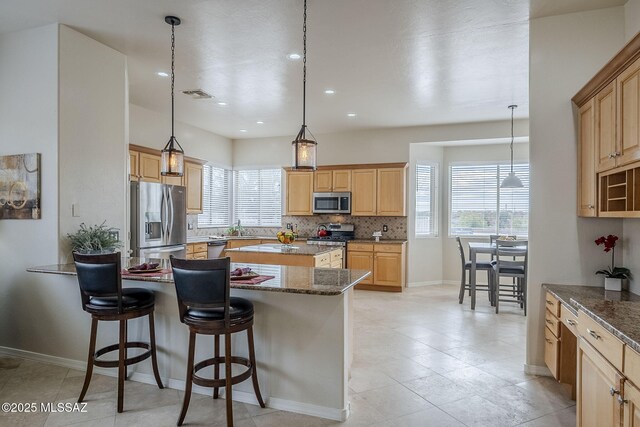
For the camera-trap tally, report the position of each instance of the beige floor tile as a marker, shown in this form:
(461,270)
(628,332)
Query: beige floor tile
(72,386)
(562,418)
(139,396)
(476,379)
(432,417)
(439,390)
(440,362)
(395,401)
(98,406)
(286,419)
(478,412)
(369,378)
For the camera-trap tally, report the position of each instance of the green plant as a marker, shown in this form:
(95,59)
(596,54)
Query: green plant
(94,238)
(235,230)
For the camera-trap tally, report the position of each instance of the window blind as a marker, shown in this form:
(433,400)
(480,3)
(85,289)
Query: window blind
(426,196)
(257,197)
(216,201)
(478,206)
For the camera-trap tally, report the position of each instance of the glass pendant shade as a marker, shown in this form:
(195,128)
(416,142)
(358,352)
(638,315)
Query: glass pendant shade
(172,161)
(511,181)
(304,154)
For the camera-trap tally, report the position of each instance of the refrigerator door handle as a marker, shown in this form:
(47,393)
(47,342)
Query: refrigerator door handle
(170,215)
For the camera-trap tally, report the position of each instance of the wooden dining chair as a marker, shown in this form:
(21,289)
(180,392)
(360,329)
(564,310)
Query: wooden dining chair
(466,266)
(511,261)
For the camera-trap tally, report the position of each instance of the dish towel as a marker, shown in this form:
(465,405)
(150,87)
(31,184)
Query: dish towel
(254,281)
(156,273)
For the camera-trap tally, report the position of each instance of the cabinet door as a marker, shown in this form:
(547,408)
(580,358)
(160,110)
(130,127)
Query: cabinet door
(387,269)
(364,192)
(173,180)
(361,261)
(133,165)
(628,88)
(596,406)
(342,180)
(149,167)
(605,121)
(551,352)
(193,181)
(631,405)
(587,178)
(299,192)
(322,181)
(391,197)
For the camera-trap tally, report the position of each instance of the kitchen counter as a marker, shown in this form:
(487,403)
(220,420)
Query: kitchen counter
(277,248)
(618,312)
(390,241)
(299,280)
(207,239)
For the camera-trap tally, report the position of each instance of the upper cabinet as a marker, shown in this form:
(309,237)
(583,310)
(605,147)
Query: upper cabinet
(149,167)
(134,158)
(332,181)
(299,193)
(363,197)
(193,182)
(608,108)
(391,192)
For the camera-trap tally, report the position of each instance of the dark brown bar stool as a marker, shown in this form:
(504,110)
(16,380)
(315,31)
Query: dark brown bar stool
(100,280)
(203,290)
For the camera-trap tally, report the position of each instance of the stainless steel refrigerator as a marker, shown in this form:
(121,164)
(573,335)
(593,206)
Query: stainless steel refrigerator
(158,220)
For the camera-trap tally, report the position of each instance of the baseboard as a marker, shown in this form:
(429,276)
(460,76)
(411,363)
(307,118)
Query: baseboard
(238,395)
(542,371)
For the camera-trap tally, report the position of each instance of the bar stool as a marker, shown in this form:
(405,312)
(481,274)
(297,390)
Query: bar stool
(100,280)
(206,307)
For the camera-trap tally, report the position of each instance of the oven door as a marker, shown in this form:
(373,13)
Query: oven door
(336,203)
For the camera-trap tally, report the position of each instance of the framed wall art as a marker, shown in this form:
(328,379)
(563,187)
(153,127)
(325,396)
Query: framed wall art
(20,186)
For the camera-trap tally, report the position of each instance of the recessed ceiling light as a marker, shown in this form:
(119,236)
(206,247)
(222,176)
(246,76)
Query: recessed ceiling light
(294,56)
(222,103)
(329,91)
(260,122)
(351,114)
(162,74)
(243,130)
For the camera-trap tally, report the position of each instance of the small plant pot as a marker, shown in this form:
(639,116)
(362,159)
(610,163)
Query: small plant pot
(612,284)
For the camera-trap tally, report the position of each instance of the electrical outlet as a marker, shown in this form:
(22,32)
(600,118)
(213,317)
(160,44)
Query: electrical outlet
(189,226)
(289,226)
(385,228)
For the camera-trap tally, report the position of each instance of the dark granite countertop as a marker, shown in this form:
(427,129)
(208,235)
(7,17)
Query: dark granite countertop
(206,239)
(618,312)
(296,249)
(299,280)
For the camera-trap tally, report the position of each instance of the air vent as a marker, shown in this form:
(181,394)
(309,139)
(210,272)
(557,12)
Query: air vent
(197,94)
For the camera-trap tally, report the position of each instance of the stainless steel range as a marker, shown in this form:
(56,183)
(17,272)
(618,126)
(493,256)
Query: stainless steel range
(337,235)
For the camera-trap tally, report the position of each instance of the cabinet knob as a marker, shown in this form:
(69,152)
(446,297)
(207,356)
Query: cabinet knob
(548,340)
(616,154)
(622,401)
(571,322)
(613,391)
(593,334)
(611,156)
(548,321)
(590,206)
(549,302)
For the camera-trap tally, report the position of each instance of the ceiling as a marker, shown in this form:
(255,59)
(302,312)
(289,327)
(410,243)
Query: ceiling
(392,62)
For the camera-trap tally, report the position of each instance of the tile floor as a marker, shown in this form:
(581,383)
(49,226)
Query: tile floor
(420,359)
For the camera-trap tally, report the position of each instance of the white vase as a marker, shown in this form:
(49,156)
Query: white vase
(612,284)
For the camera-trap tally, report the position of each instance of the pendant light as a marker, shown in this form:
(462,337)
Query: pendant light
(511,181)
(172,153)
(304,150)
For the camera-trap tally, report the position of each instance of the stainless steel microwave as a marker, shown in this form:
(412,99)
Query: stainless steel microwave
(332,203)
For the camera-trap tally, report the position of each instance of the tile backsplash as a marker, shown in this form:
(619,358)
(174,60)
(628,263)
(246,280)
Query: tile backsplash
(307,226)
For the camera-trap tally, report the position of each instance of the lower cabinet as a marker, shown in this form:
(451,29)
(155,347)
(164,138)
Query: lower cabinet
(386,261)
(197,251)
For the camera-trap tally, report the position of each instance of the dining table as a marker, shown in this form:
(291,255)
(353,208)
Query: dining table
(476,248)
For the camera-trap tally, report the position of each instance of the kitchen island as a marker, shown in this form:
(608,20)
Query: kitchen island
(303,334)
(305,255)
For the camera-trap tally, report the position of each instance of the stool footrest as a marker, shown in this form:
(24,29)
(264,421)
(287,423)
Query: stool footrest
(127,361)
(209,382)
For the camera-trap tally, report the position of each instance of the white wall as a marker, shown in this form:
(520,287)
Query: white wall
(152,129)
(565,52)
(631,19)
(93,135)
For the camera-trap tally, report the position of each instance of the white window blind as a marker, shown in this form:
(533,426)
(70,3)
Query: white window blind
(257,197)
(216,200)
(478,206)
(426,196)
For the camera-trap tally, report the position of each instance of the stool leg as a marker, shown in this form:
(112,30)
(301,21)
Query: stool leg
(92,352)
(154,357)
(216,369)
(189,381)
(121,365)
(254,369)
(462,286)
(227,377)
(126,340)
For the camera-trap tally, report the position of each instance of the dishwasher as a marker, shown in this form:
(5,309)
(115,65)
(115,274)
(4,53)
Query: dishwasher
(215,248)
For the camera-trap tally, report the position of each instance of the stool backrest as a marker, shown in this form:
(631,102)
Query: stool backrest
(202,283)
(461,250)
(512,254)
(99,276)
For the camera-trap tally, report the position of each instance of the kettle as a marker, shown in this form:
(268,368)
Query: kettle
(322,231)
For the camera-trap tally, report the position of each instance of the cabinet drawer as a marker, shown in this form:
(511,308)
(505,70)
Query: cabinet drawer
(551,352)
(323,260)
(602,340)
(190,256)
(336,256)
(200,255)
(552,304)
(631,365)
(362,247)
(569,319)
(199,247)
(189,249)
(336,264)
(387,247)
(552,323)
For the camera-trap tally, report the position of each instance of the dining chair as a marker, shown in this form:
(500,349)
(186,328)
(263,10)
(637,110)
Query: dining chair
(466,266)
(511,261)
(494,237)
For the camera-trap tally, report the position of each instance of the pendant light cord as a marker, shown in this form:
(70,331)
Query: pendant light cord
(513,107)
(304,70)
(173,58)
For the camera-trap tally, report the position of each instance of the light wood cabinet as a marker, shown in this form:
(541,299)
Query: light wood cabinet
(365,191)
(134,158)
(341,180)
(587,182)
(605,127)
(391,192)
(332,180)
(628,115)
(299,193)
(173,180)
(197,250)
(598,387)
(388,269)
(193,182)
(386,261)
(631,403)
(323,181)
(361,261)
(552,352)
(238,243)
(149,167)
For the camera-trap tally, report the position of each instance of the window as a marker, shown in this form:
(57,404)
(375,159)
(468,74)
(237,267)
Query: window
(257,197)
(478,206)
(426,196)
(216,205)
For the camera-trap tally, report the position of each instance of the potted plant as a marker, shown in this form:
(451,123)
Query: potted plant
(96,239)
(235,230)
(613,275)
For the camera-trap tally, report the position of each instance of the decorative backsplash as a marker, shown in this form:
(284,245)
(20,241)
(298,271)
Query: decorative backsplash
(307,226)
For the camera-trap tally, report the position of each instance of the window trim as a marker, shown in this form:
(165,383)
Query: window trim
(434,196)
